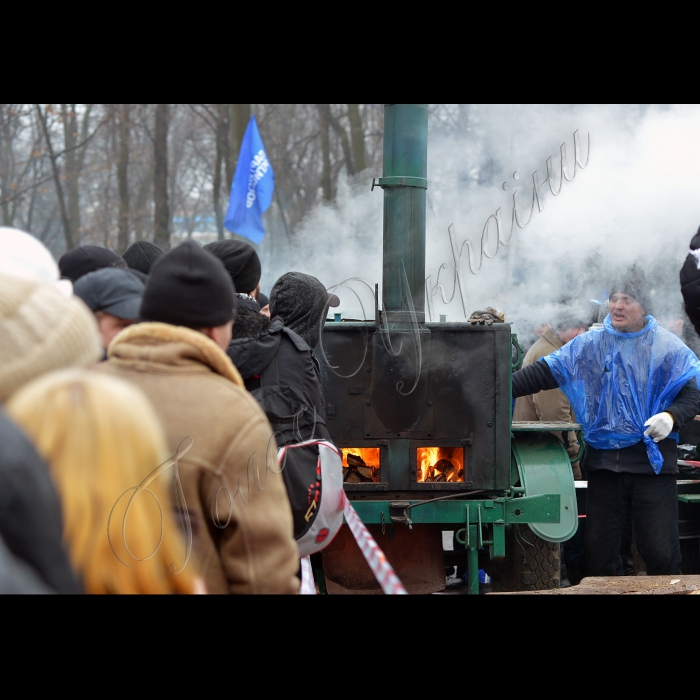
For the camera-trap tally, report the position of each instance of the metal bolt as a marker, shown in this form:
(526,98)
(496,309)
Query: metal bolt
(489,424)
(368,369)
(430,403)
(368,402)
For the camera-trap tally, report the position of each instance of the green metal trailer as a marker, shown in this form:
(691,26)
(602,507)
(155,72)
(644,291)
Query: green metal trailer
(401,391)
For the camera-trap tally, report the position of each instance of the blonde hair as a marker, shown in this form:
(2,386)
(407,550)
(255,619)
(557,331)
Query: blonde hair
(102,439)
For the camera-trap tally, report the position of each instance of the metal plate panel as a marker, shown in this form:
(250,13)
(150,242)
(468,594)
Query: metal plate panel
(463,396)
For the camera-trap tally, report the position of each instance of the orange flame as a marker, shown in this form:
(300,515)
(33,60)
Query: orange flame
(428,457)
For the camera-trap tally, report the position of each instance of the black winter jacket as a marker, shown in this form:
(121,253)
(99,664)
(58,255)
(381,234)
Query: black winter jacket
(300,409)
(538,377)
(30,514)
(16,576)
(690,289)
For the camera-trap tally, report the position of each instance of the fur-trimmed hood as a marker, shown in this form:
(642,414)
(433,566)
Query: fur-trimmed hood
(163,344)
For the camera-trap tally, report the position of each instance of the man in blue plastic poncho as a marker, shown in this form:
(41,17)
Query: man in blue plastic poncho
(632,385)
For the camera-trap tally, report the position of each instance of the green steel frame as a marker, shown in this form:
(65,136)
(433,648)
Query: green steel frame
(474,517)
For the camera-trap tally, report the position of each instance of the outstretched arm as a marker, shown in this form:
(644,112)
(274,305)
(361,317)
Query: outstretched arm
(533,379)
(690,283)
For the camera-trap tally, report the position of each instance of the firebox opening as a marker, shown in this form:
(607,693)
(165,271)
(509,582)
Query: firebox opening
(361,465)
(440,464)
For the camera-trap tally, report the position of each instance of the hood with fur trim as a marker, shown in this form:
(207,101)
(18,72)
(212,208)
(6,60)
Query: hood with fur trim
(163,344)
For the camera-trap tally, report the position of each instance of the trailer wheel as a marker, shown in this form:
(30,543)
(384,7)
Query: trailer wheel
(530,564)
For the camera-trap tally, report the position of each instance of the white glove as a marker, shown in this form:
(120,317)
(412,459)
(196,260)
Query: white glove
(660,426)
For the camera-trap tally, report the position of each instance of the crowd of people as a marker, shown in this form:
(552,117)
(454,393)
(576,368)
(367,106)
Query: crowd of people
(135,457)
(143,399)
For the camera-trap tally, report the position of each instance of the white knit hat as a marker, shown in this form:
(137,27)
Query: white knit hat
(41,329)
(25,256)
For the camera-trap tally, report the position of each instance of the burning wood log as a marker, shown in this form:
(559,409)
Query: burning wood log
(352,473)
(444,469)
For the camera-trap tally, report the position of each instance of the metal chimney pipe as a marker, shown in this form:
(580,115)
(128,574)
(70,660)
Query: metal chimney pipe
(405,184)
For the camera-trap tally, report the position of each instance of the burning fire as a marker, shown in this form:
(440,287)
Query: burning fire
(440,464)
(360,464)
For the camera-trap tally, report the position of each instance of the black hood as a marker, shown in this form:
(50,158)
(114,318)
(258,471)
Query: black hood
(301,301)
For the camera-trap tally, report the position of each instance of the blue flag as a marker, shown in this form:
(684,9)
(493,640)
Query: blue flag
(252,188)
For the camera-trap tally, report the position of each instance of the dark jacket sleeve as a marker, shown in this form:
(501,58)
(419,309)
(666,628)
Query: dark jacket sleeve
(533,379)
(686,406)
(17,577)
(30,513)
(690,289)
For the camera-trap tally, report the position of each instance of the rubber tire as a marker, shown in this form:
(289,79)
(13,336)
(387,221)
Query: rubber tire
(690,556)
(530,564)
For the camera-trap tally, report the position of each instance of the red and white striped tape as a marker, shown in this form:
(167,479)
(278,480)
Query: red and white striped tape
(308,585)
(381,568)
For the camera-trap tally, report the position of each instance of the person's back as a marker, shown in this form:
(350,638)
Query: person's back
(299,412)
(236,499)
(280,352)
(30,514)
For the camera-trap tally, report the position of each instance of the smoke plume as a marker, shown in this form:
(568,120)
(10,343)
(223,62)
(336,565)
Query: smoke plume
(635,203)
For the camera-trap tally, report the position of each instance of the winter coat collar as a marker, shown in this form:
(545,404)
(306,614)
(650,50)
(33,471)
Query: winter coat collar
(163,344)
(248,302)
(552,338)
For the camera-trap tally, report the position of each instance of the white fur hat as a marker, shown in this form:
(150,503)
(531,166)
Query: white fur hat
(23,255)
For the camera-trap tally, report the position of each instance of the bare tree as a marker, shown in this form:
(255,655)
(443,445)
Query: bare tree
(141,166)
(222,150)
(324,113)
(73,153)
(357,135)
(74,157)
(161,236)
(123,177)
(20,167)
(158,171)
(239,116)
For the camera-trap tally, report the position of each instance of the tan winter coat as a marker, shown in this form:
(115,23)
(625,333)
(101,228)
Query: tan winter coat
(547,405)
(198,393)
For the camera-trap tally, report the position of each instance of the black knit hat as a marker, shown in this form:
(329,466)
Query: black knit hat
(633,285)
(241,261)
(141,255)
(87,258)
(188,287)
